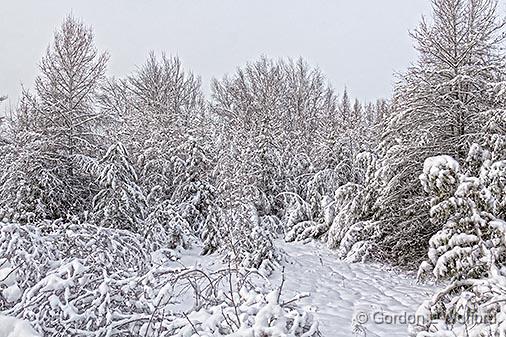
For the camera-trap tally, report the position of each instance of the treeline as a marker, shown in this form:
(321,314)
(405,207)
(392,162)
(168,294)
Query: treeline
(148,150)
(274,139)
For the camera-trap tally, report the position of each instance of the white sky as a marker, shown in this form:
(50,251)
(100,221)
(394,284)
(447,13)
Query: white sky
(357,43)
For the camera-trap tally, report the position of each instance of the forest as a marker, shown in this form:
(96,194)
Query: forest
(109,186)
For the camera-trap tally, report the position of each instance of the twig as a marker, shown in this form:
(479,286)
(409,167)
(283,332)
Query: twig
(226,318)
(10,273)
(193,326)
(296,298)
(232,296)
(282,283)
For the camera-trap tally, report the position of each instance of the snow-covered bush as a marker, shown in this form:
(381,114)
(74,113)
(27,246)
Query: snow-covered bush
(79,279)
(210,233)
(298,219)
(167,228)
(30,252)
(358,244)
(324,200)
(192,187)
(353,231)
(246,239)
(467,307)
(178,173)
(469,209)
(26,257)
(341,220)
(70,278)
(347,200)
(247,313)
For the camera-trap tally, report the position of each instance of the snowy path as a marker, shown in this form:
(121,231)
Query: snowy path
(340,291)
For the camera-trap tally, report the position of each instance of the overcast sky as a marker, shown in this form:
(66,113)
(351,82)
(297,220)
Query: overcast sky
(357,43)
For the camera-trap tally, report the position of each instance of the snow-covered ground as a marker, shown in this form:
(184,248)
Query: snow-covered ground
(340,292)
(341,295)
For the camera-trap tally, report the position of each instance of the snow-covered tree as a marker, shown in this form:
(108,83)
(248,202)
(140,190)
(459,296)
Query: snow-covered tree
(160,114)
(468,204)
(58,128)
(348,144)
(438,108)
(71,72)
(120,202)
(470,248)
(275,116)
(33,184)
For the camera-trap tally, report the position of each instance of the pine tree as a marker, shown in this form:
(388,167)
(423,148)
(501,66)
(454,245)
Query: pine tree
(469,250)
(120,203)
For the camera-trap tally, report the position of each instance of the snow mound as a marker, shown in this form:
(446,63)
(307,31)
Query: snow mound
(12,327)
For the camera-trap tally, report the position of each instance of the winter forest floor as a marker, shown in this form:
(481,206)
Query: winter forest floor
(340,291)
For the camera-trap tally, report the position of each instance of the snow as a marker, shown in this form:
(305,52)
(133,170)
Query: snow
(434,165)
(12,327)
(340,291)
(439,171)
(339,294)
(11,291)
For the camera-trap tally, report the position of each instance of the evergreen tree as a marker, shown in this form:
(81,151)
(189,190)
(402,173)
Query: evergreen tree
(120,203)
(160,117)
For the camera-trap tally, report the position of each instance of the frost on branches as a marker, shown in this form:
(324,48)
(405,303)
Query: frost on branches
(470,249)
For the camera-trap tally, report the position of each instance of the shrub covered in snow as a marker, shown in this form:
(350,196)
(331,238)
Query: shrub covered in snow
(470,211)
(245,238)
(338,219)
(80,279)
(298,220)
(234,306)
(167,228)
(30,252)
